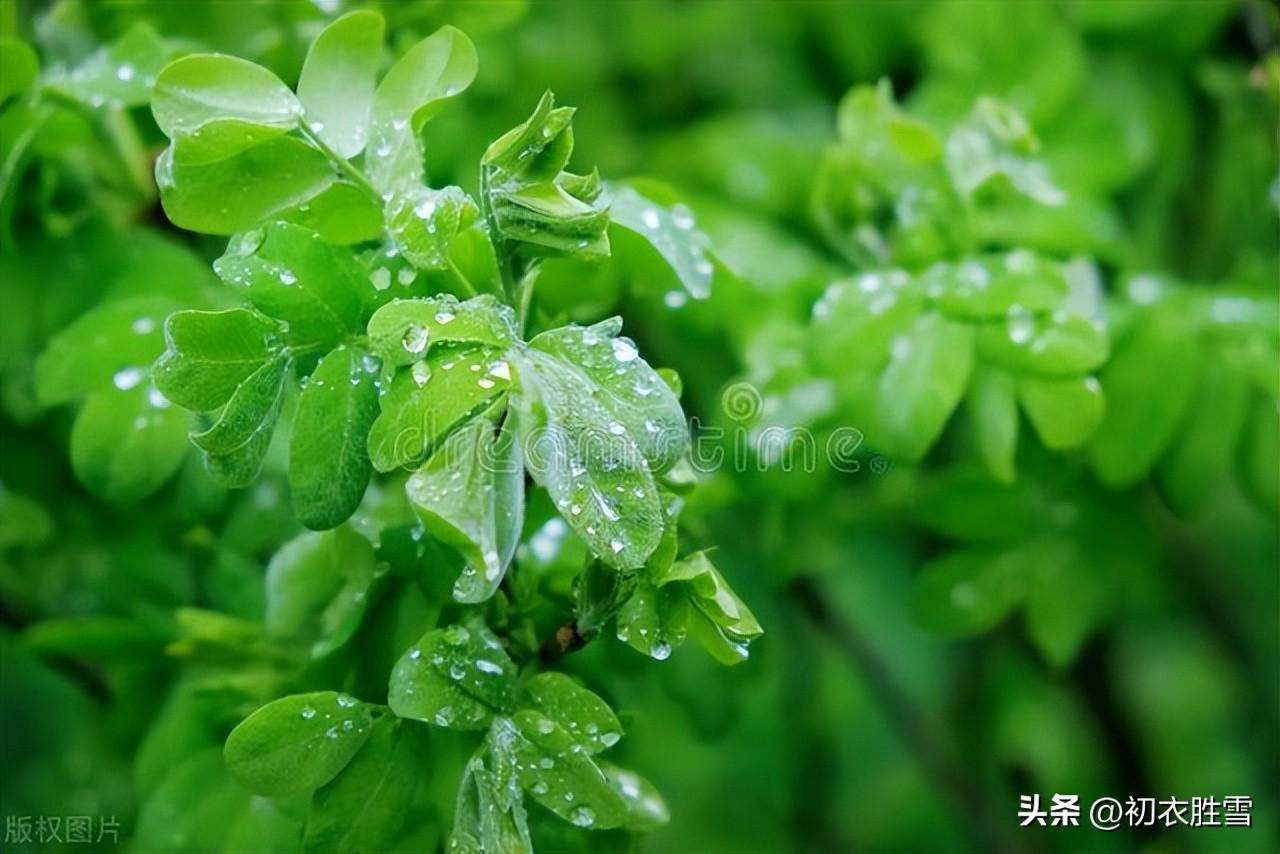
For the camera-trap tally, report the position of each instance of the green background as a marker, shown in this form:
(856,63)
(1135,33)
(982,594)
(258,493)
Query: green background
(866,718)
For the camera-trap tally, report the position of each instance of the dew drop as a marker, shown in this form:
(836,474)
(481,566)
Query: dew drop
(583,817)
(308,713)
(420,373)
(660,650)
(650,218)
(127,378)
(624,350)
(415,338)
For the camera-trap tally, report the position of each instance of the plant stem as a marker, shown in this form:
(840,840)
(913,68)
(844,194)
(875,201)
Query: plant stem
(343,164)
(526,294)
(905,718)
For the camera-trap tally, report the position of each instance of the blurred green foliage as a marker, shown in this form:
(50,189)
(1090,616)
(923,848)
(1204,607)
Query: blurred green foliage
(1008,270)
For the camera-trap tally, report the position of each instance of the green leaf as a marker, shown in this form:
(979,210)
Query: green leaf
(318,589)
(993,409)
(201,88)
(489,815)
(198,807)
(997,142)
(342,214)
(555,771)
(290,274)
(424,223)
(534,202)
(1259,460)
(730,625)
(126,442)
(430,399)
(882,195)
(646,810)
(623,383)
(297,743)
(1065,413)
(210,353)
(222,196)
(991,287)
(1143,416)
(470,494)
(599,591)
(927,375)
(20,65)
(418,86)
(237,443)
(111,344)
(654,620)
(336,85)
(119,74)
(23,521)
(364,807)
(1203,449)
(457,677)
(965,503)
(474,262)
(1061,345)
(1065,602)
(582,450)
(671,231)
(401,331)
(585,717)
(550,220)
(856,320)
(535,150)
(968,591)
(329,466)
